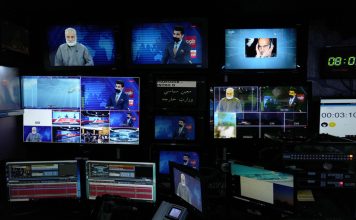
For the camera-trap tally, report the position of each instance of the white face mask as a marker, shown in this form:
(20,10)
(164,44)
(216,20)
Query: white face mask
(71,44)
(229,97)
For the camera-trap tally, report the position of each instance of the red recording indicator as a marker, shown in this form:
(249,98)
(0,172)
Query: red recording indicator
(341,183)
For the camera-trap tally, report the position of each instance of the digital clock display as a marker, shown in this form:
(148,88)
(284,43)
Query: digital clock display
(339,62)
(338,117)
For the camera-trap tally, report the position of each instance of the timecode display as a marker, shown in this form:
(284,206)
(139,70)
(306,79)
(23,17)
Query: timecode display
(339,61)
(338,115)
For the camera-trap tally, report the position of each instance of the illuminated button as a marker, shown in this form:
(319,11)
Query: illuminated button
(332,124)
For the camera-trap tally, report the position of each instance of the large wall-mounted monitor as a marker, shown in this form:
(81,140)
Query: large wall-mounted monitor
(244,112)
(181,44)
(184,157)
(74,109)
(10,92)
(35,180)
(81,46)
(261,49)
(263,187)
(338,117)
(133,180)
(175,127)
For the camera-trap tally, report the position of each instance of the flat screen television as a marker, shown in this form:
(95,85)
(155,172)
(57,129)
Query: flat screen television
(35,180)
(244,112)
(174,127)
(263,187)
(187,187)
(154,44)
(338,117)
(10,91)
(133,180)
(184,157)
(90,110)
(81,46)
(261,49)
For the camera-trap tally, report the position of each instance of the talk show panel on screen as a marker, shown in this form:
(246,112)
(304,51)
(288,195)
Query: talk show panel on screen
(261,49)
(133,180)
(34,180)
(93,110)
(338,117)
(179,128)
(264,187)
(169,43)
(10,95)
(186,158)
(256,111)
(187,186)
(81,45)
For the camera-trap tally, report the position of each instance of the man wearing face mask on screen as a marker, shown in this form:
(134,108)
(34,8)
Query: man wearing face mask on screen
(178,51)
(119,100)
(229,103)
(72,53)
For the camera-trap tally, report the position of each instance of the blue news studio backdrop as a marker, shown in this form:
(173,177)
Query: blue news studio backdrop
(150,40)
(97,90)
(166,126)
(99,40)
(45,131)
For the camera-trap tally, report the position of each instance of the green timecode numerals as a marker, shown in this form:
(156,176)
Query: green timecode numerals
(338,61)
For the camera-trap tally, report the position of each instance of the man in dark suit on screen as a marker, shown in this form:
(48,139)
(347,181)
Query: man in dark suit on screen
(181,132)
(119,100)
(128,122)
(178,51)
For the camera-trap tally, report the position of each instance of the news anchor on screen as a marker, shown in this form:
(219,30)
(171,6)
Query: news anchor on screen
(72,53)
(181,132)
(128,121)
(118,100)
(177,51)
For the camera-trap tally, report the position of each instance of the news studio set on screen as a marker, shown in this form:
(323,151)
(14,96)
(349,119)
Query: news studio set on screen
(97,44)
(153,43)
(86,109)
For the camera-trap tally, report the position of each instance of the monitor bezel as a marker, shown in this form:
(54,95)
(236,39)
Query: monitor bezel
(234,82)
(258,204)
(329,73)
(89,70)
(195,174)
(299,72)
(108,145)
(202,21)
(31,200)
(198,127)
(319,108)
(156,150)
(154,187)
